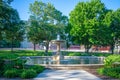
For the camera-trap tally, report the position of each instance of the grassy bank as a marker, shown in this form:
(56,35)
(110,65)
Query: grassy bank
(18,53)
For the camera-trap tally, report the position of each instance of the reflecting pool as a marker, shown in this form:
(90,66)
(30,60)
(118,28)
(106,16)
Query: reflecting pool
(66,60)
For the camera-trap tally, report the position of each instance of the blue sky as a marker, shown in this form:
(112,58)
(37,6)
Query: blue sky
(65,6)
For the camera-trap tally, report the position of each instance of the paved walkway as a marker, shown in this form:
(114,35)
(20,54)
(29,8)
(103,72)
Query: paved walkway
(66,75)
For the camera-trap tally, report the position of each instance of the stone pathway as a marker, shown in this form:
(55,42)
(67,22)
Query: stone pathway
(66,75)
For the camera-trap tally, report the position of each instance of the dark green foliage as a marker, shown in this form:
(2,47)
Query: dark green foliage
(37,68)
(1,66)
(11,27)
(14,64)
(11,73)
(29,73)
(19,63)
(7,44)
(112,66)
(8,55)
(112,72)
(1,63)
(6,1)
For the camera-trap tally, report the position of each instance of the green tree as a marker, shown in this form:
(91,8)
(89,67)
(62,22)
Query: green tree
(11,27)
(6,1)
(15,33)
(68,36)
(112,21)
(49,21)
(5,12)
(34,33)
(110,29)
(85,22)
(116,26)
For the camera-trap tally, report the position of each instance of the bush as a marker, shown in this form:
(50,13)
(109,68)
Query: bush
(112,72)
(29,73)
(101,71)
(19,63)
(8,55)
(1,66)
(74,54)
(111,68)
(37,68)
(16,63)
(11,73)
(110,60)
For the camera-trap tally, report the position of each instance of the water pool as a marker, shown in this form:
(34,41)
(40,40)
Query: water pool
(66,60)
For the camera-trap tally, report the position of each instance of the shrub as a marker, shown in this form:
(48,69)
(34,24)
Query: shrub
(19,63)
(37,68)
(112,72)
(74,54)
(16,63)
(11,73)
(101,71)
(8,55)
(8,67)
(1,66)
(110,60)
(29,73)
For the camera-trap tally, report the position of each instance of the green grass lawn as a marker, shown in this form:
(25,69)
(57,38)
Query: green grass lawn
(85,54)
(7,54)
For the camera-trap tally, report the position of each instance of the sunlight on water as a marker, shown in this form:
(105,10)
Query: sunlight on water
(66,60)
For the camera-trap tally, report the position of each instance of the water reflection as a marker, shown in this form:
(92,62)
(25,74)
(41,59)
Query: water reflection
(66,60)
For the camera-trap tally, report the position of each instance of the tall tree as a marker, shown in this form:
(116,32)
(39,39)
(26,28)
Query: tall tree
(85,22)
(16,30)
(68,36)
(11,27)
(49,20)
(112,21)
(34,33)
(116,26)
(5,13)
(15,33)
(6,1)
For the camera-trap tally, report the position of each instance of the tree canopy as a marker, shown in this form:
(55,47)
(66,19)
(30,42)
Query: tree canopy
(46,20)
(11,27)
(94,25)
(85,22)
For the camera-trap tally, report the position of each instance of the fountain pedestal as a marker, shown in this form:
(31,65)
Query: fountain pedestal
(58,55)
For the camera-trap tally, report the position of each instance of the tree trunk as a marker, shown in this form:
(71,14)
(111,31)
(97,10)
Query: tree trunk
(112,48)
(87,47)
(12,45)
(86,50)
(47,47)
(34,47)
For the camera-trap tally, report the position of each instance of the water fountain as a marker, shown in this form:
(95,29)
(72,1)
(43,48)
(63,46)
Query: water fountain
(58,56)
(58,61)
